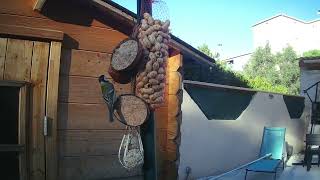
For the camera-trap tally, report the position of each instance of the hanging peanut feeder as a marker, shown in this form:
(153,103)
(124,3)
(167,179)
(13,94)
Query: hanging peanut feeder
(150,82)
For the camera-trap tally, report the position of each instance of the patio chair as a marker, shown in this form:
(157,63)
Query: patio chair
(311,140)
(272,142)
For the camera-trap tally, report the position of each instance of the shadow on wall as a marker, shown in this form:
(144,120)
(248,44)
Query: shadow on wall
(217,105)
(213,147)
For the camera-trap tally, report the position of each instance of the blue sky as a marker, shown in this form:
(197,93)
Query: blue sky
(227,22)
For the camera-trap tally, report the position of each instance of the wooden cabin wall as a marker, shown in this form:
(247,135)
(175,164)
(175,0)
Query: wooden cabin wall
(88,144)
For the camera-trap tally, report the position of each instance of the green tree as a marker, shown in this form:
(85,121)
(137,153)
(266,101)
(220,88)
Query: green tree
(312,53)
(289,71)
(281,70)
(216,56)
(260,63)
(206,50)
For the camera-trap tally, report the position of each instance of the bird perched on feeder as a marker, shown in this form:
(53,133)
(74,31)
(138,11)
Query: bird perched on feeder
(108,94)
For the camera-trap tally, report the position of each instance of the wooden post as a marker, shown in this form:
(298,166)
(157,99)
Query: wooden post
(3,48)
(148,129)
(40,55)
(142,7)
(51,111)
(22,131)
(149,145)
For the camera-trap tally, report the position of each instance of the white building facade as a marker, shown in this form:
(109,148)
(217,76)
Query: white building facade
(237,63)
(282,30)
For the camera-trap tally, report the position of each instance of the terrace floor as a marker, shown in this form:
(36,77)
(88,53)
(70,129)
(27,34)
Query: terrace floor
(291,172)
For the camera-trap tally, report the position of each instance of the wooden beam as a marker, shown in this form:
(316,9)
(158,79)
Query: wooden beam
(77,36)
(174,96)
(38,5)
(3,49)
(23,113)
(143,6)
(18,60)
(107,7)
(31,32)
(39,80)
(13,83)
(11,147)
(312,64)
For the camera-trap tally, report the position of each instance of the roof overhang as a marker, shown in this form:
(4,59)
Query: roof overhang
(38,4)
(312,63)
(130,18)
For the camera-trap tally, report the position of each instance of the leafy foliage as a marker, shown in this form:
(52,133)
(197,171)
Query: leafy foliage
(218,74)
(312,53)
(206,50)
(260,62)
(263,84)
(198,71)
(265,71)
(279,69)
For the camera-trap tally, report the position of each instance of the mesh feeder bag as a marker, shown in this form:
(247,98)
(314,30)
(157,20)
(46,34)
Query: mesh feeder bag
(131,149)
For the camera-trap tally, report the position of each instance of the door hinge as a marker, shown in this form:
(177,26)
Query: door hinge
(45,126)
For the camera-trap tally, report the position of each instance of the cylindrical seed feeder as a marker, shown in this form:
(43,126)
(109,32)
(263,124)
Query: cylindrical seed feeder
(124,60)
(131,110)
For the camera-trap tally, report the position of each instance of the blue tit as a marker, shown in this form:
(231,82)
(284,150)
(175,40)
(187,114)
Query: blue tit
(108,94)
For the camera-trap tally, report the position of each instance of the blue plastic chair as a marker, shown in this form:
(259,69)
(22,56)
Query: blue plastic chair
(272,142)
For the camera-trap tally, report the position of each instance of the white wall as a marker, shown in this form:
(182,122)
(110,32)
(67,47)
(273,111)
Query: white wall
(281,31)
(211,147)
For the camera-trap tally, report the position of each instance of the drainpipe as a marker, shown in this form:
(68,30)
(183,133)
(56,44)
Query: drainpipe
(188,172)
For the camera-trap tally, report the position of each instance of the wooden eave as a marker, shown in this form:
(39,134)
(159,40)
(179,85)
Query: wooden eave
(310,64)
(23,31)
(130,18)
(38,4)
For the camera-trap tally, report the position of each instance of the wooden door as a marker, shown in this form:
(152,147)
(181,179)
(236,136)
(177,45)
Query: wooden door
(36,63)
(13,147)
